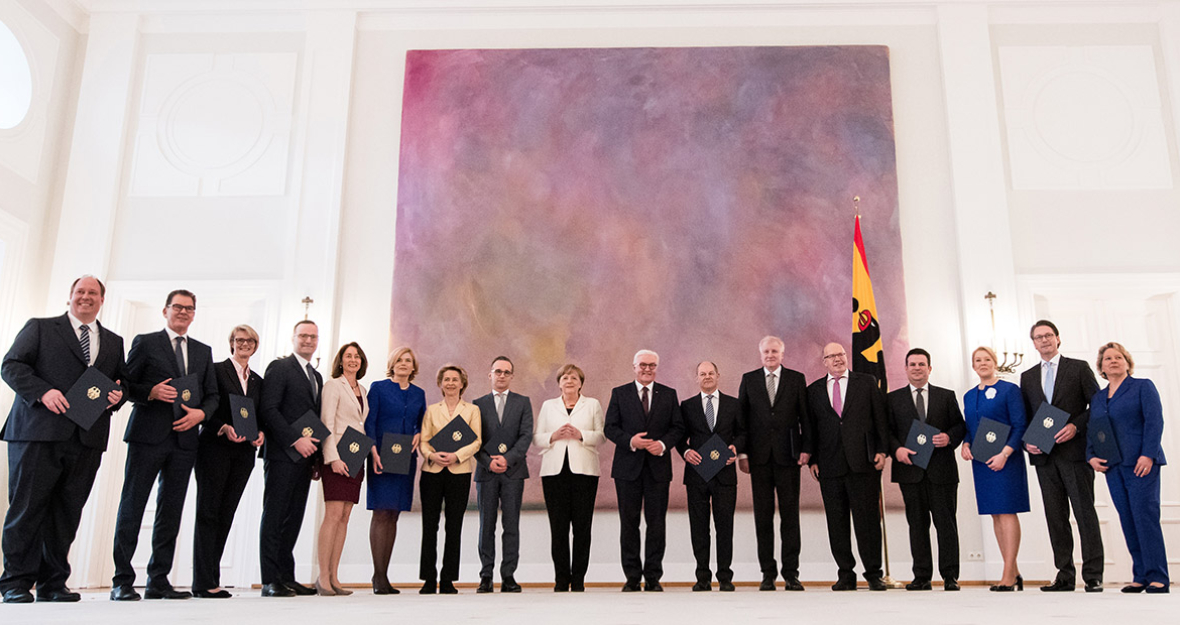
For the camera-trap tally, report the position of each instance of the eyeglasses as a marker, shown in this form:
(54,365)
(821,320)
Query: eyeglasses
(181,308)
(306,337)
(246,341)
(1044,337)
(650,366)
(840,355)
(501,372)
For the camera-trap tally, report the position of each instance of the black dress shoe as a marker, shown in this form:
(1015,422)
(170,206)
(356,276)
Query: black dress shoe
(919,585)
(447,587)
(1158,590)
(209,594)
(702,587)
(124,593)
(560,587)
(843,585)
(277,589)
(59,595)
(508,584)
(1134,588)
(19,595)
(876,583)
(950,584)
(767,584)
(579,586)
(1058,586)
(485,586)
(1094,586)
(631,587)
(300,589)
(793,583)
(653,586)
(165,592)
(726,587)
(381,585)
(429,587)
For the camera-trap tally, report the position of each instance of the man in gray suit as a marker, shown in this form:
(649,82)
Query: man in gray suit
(507,425)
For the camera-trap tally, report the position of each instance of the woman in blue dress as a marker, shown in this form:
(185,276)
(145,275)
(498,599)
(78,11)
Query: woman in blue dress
(395,407)
(1137,418)
(1001,484)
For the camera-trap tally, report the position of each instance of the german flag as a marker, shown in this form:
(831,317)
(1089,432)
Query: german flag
(868,355)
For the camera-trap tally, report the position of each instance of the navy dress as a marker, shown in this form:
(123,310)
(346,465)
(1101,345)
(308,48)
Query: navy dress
(1004,491)
(396,411)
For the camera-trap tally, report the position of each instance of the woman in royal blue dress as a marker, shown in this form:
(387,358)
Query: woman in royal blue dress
(1001,483)
(1137,418)
(395,407)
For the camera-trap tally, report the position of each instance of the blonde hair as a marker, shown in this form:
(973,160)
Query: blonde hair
(397,353)
(1122,350)
(990,352)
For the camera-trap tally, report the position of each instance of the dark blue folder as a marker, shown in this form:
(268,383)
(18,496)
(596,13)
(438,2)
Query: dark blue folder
(1102,439)
(990,438)
(921,441)
(1042,430)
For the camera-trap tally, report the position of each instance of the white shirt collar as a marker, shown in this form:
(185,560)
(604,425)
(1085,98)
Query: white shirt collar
(776,372)
(1056,360)
(914,388)
(640,386)
(714,395)
(832,377)
(172,335)
(76,322)
(302,363)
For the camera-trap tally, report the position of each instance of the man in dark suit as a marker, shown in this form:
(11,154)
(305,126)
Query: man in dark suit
(643,421)
(711,412)
(500,472)
(292,387)
(852,436)
(931,492)
(776,443)
(1066,478)
(52,461)
(161,444)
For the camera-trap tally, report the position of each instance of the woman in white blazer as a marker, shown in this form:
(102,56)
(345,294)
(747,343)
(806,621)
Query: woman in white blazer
(344,405)
(569,430)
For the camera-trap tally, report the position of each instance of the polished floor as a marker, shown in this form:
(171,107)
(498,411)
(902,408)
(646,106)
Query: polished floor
(607,606)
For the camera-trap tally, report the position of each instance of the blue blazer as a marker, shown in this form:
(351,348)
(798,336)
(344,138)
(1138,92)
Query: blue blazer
(1137,416)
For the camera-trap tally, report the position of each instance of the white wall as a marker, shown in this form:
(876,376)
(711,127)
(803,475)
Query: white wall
(252,156)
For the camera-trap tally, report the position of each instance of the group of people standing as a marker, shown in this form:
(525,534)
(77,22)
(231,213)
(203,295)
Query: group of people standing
(841,428)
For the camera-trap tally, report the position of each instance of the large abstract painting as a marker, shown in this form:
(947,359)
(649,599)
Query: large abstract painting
(577,205)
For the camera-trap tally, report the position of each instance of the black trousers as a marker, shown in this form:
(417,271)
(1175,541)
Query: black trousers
(171,466)
(284,500)
(925,501)
(492,496)
(222,471)
(855,495)
(1065,485)
(48,484)
(442,491)
(723,498)
(767,481)
(569,500)
(648,497)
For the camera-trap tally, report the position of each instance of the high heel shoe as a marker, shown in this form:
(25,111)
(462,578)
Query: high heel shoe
(340,591)
(324,592)
(1019,585)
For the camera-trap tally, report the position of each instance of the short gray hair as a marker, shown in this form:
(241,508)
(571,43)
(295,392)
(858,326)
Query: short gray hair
(770,337)
(644,352)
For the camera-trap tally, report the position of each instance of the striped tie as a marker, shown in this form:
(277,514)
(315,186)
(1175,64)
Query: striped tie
(84,341)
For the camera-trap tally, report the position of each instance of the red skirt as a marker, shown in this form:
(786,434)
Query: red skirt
(340,488)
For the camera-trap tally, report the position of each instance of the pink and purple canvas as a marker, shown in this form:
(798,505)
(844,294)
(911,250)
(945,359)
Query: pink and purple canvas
(577,205)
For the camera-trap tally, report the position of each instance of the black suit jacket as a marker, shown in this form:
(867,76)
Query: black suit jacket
(847,443)
(1073,387)
(516,432)
(774,434)
(286,396)
(151,361)
(697,433)
(228,384)
(45,356)
(942,412)
(624,419)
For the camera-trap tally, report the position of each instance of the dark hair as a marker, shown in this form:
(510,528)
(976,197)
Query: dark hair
(338,361)
(295,328)
(456,369)
(184,292)
(917,351)
(102,288)
(571,368)
(1045,323)
(505,359)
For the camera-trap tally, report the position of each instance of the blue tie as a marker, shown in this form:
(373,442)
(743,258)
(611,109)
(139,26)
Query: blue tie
(710,417)
(1049,381)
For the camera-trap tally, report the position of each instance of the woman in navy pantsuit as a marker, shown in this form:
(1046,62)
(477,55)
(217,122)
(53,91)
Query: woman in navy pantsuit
(1136,416)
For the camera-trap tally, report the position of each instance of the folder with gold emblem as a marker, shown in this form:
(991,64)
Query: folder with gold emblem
(245,421)
(921,441)
(88,397)
(188,393)
(353,448)
(307,426)
(1042,430)
(396,453)
(454,436)
(990,438)
(714,454)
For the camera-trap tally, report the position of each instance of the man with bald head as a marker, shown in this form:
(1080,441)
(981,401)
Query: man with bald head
(52,461)
(847,411)
(777,442)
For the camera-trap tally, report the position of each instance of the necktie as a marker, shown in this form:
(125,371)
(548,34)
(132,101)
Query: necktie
(921,405)
(770,388)
(837,401)
(84,341)
(180,366)
(500,407)
(1049,381)
(311,378)
(646,403)
(710,416)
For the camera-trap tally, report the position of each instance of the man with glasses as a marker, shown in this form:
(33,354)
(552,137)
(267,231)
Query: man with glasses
(500,472)
(52,461)
(643,421)
(1066,479)
(161,444)
(847,410)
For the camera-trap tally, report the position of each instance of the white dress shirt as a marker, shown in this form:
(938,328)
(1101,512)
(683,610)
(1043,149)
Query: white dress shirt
(843,381)
(77,324)
(651,397)
(1056,360)
(183,345)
